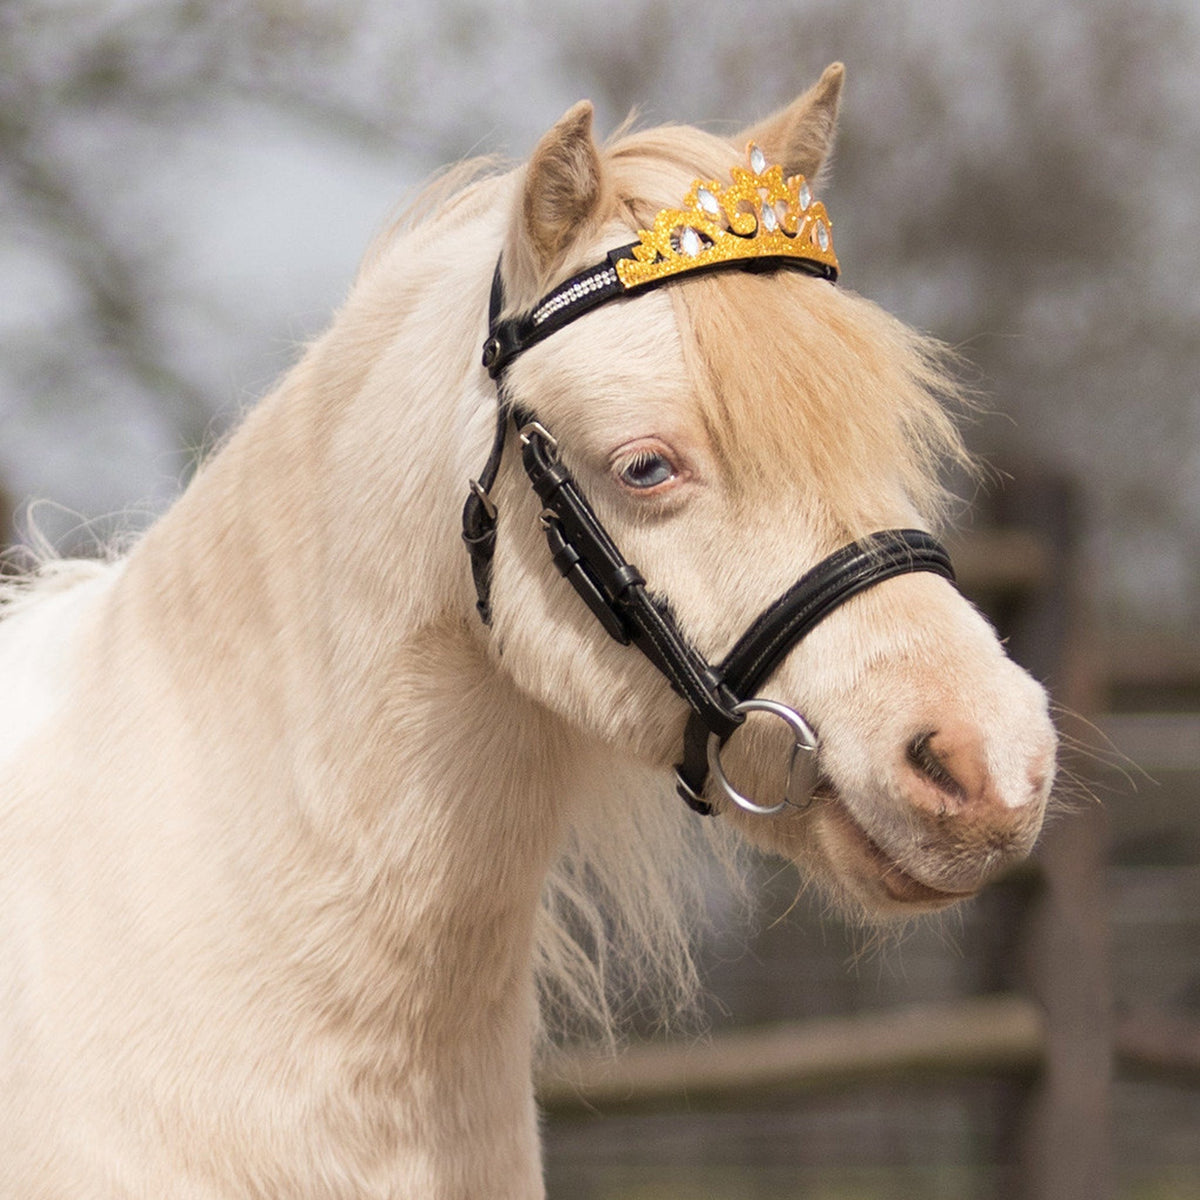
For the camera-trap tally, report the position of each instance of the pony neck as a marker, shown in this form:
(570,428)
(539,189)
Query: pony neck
(325,531)
(310,594)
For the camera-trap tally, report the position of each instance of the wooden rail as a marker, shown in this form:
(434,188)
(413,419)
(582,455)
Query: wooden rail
(989,1034)
(1001,1034)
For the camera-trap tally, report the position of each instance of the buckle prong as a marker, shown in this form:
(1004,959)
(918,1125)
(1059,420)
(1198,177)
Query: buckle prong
(481,494)
(536,429)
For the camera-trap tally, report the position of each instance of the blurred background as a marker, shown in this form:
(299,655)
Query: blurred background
(185,189)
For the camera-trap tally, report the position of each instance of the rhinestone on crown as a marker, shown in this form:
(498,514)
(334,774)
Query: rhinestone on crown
(760,215)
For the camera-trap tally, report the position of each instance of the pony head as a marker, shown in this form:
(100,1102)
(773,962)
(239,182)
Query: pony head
(731,429)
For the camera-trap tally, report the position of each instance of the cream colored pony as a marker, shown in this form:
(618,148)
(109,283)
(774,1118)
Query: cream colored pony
(286,833)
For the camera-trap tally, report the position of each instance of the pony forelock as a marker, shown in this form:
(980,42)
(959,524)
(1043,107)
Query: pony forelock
(793,374)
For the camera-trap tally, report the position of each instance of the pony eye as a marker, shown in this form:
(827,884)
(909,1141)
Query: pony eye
(646,470)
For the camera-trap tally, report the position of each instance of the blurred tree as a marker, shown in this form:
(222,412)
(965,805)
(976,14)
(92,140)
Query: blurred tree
(1016,180)
(71,76)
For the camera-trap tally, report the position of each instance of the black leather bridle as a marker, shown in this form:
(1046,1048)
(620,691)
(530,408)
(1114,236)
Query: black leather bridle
(719,695)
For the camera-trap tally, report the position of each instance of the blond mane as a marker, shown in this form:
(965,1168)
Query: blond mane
(799,380)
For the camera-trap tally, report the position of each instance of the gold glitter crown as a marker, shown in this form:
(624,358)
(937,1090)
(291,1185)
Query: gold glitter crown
(759,216)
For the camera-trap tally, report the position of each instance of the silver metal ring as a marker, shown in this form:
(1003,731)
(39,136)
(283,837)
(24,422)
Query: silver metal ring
(803,748)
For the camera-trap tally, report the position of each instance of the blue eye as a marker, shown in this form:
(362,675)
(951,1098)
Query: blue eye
(646,470)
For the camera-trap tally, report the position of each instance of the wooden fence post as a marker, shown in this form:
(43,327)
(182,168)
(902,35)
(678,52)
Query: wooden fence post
(1065,1136)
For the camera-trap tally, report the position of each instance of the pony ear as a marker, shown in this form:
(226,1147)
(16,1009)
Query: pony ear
(800,137)
(562,196)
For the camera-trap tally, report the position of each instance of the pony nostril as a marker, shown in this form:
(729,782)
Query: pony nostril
(925,760)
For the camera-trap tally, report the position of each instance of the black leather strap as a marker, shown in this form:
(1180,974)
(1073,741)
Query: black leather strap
(829,584)
(479,521)
(580,294)
(598,285)
(612,587)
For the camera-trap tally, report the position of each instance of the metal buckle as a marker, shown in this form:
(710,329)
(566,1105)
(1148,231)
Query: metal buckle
(484,499)
(806,741)
(537,429)
(691,797)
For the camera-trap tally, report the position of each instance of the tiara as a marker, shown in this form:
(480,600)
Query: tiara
(759,216)
(760,220)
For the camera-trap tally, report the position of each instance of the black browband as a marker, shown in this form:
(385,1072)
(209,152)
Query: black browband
(614,589)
